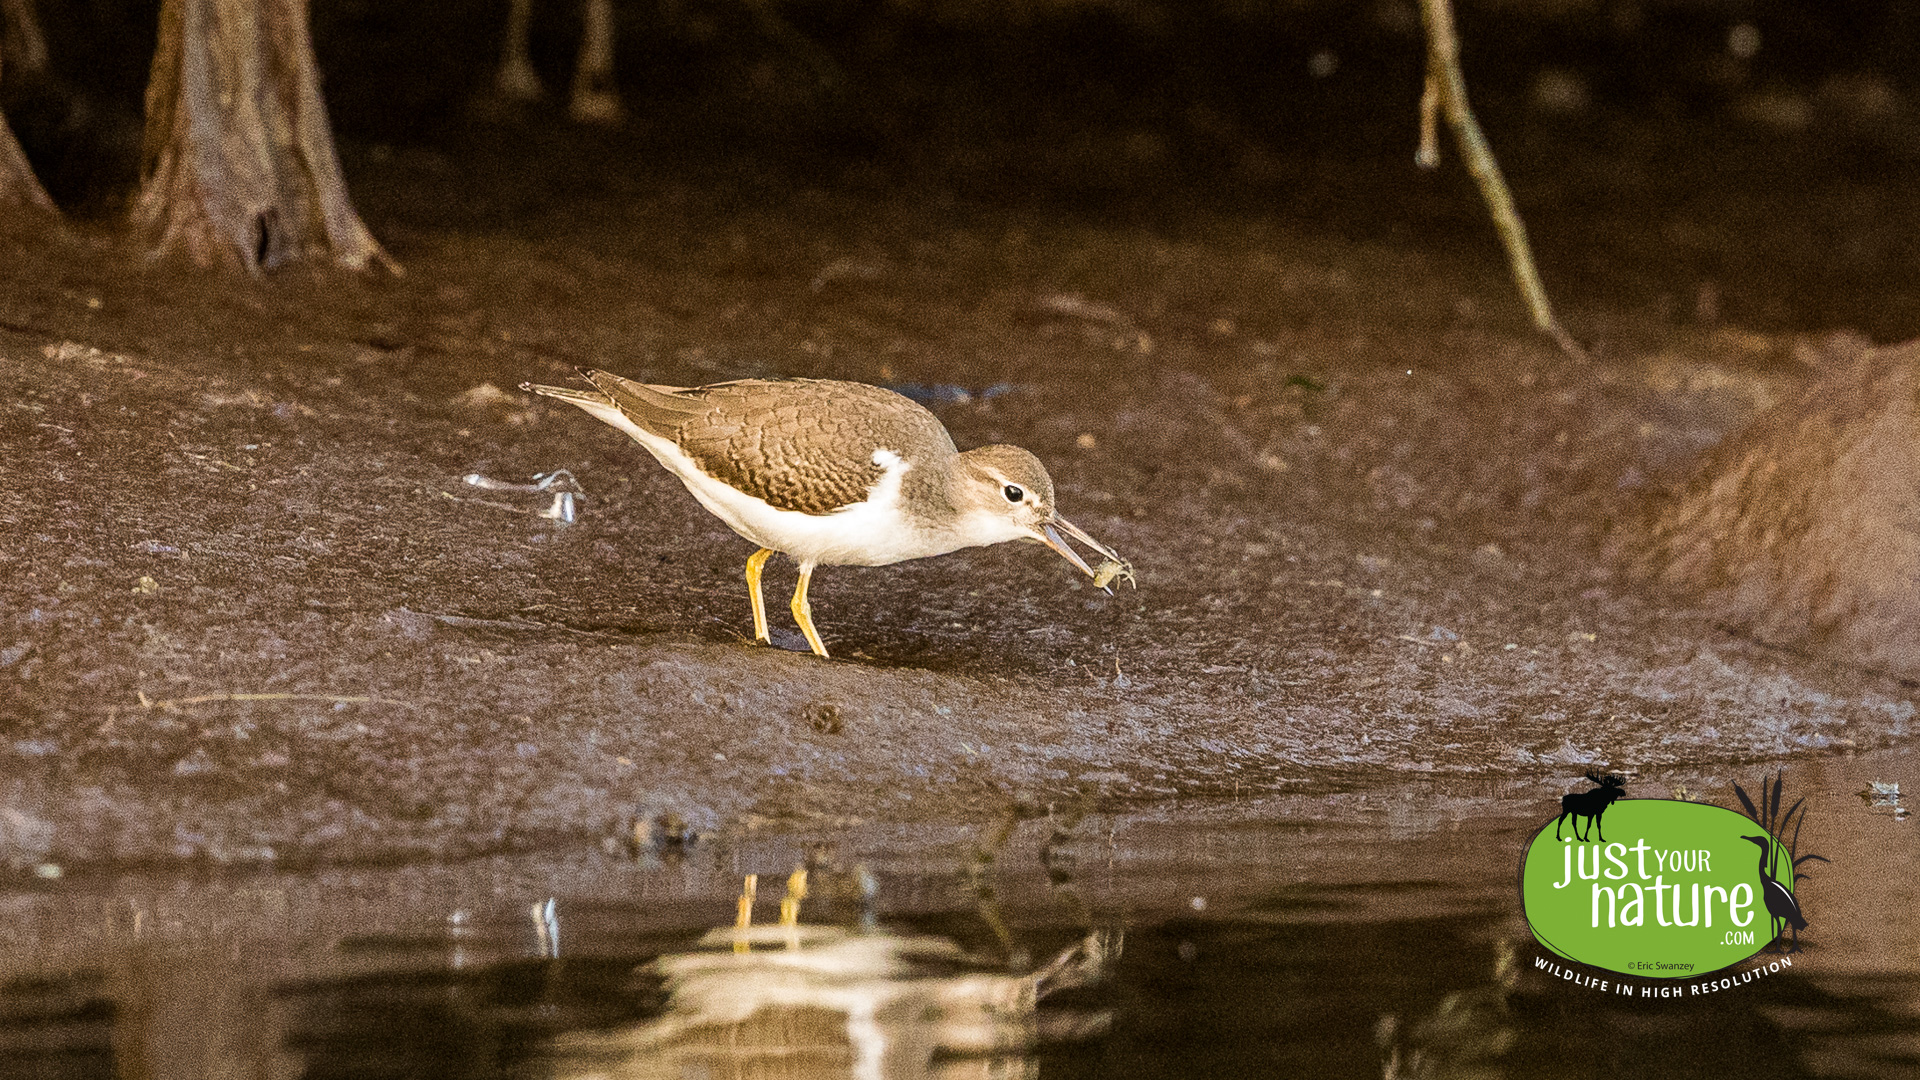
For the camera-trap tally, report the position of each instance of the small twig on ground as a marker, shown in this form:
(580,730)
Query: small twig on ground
(175,704)
(1446,93)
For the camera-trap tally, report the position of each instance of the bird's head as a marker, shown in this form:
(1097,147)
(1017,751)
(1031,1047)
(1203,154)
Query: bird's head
(1004,493)
(1765,843)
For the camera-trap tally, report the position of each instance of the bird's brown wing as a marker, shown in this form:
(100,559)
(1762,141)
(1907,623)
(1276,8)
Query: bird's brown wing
(797,444)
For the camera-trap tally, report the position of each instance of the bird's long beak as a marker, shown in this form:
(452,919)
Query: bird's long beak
(1052,531)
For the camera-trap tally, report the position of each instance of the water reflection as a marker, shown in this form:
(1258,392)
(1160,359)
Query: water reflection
(1464,1037)
(820,1001)
(1375,936)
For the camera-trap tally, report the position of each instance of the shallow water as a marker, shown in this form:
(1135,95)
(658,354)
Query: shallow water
(1351,932)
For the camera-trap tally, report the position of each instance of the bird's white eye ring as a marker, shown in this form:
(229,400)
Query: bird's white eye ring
(1013,493)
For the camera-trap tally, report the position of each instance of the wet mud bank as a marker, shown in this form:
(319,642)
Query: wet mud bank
(254,612)
(1802,529)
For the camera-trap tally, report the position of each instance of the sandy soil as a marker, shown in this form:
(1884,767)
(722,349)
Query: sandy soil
(251,612)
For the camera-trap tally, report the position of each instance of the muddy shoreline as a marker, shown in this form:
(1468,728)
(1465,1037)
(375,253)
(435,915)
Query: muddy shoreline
(251,612)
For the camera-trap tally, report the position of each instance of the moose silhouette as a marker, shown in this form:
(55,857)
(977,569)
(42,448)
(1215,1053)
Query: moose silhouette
(1589,804)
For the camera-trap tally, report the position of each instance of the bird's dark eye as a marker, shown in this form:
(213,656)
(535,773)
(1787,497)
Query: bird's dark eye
(1013,493)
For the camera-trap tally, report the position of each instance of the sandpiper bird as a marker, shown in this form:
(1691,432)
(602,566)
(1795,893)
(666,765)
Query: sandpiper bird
(839,473)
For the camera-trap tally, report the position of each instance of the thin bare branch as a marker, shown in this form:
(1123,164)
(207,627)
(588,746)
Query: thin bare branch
(1446,92)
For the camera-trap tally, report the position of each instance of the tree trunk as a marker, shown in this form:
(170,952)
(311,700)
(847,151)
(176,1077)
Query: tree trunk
(18,186)
(21,41)
(516,80)
(596,98)
(239,168)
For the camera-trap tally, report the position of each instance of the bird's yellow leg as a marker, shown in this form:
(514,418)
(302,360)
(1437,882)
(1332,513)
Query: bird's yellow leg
(743,918)
(796,892)
(803,611)
(755,562)
(743,915)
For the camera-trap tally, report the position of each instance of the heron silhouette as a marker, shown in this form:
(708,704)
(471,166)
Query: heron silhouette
(1781,906)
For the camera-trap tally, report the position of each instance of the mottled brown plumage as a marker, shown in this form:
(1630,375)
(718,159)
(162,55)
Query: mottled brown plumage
(797,444)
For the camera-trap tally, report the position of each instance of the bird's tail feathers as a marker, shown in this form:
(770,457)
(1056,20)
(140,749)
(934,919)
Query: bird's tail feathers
(658,409)
(565,393)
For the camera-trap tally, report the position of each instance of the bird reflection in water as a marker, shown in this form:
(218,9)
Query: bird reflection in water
(798,1000)
(1465,1037)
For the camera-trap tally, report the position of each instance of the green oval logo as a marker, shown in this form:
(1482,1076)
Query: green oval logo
(1674,890)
